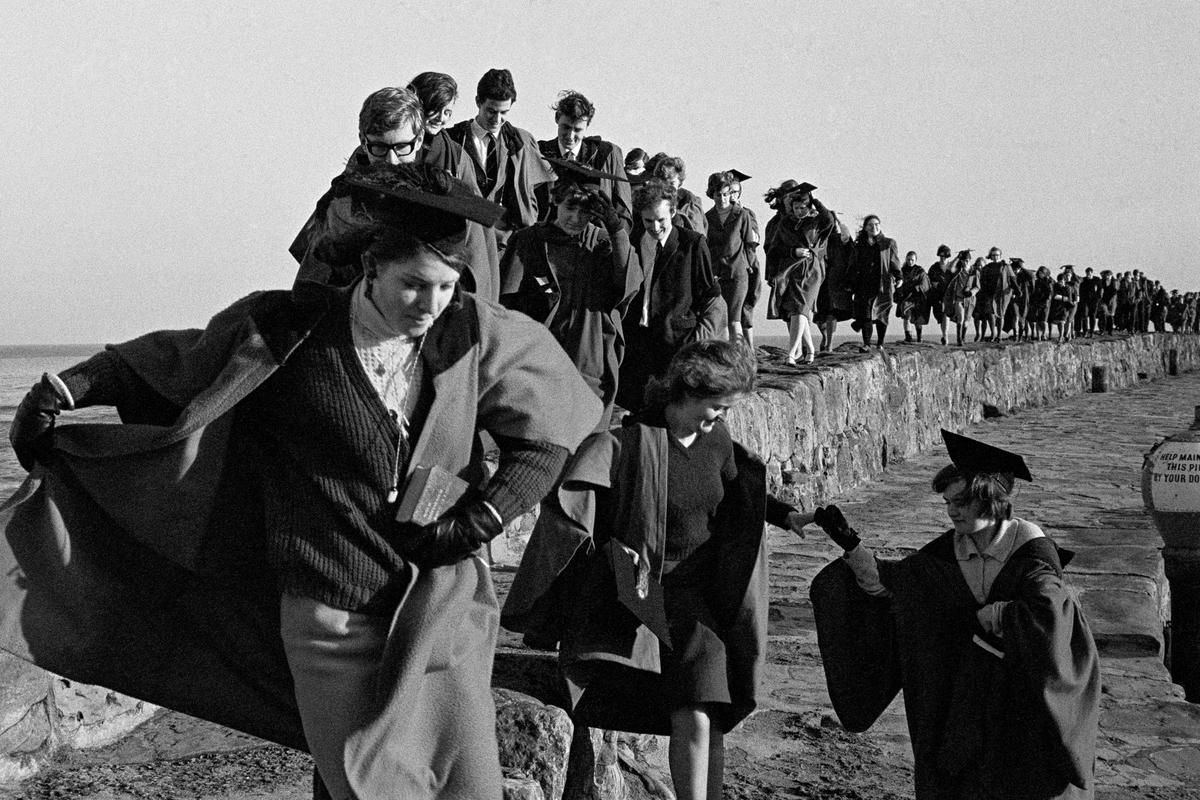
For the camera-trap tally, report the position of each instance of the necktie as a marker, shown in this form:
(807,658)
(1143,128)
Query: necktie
(647,284)
(492,163)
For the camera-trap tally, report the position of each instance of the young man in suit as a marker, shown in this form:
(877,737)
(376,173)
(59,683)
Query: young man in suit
(508,166)
(679,300)
(573,114)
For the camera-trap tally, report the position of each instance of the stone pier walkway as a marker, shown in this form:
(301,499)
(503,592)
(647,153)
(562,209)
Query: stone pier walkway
(1085,455)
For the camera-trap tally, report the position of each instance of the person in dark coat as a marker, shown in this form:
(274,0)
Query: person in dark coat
(754,274)
(1107,308)
(979,630)
(796,267)
(939,276)
(1062,307)
(679,299)
(996,280)
(1039,303)
(508,165)
(656,588)
(876,272)
(573,114)
(1016,319)
(912,298)
(961,288)
(1160,303)
(731,237)
(1090,292)
(577,274)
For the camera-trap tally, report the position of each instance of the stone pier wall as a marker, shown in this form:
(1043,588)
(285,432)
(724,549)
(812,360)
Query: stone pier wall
(829,427)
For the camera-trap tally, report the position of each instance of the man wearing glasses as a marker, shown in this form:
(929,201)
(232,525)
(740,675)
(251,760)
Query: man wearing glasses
(391,130)
(391,127)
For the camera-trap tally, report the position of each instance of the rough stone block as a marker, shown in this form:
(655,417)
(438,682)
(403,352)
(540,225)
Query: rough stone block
(22,686)
(516,788)
(91,716)
(534,739)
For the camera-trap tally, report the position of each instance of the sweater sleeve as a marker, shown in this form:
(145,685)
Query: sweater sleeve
(106,380)
(777,511)
(527,472)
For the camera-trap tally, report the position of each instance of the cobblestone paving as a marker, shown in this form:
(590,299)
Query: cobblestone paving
(1085,455)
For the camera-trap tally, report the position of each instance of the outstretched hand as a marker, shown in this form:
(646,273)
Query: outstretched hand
(32,430)
(831,520)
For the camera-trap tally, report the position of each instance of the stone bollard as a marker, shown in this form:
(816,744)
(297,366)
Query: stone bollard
(1171,493)
(1099,379)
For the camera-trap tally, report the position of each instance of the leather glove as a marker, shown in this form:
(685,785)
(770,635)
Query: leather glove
(456,534)
(32,429)
(833,522)
(604,213)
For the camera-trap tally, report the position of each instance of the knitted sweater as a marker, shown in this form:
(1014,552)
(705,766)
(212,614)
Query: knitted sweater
(327,452)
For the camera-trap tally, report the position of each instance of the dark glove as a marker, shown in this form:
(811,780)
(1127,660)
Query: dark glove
(32,429)
(604,213)
(833,522)
(457,534)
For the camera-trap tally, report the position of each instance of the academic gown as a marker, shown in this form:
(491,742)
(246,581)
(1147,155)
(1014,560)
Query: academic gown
(1019,726)
(578,287)
(135,558)
(876,273)
(685,305)
(570,568)
(522,169)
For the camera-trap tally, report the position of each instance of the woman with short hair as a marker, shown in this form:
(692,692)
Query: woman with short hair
(876,274)
(912,298)
(659,594)
(979,630)
(264,550)
(731,239)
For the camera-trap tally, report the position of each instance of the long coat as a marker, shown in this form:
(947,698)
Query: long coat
(335,212)
(731,243)
(135,559)
(579,288)
(796,282)
(912,298)
(597,154)
(685,305)
(958,302)
(1016,726)
(876,273)
(568,567)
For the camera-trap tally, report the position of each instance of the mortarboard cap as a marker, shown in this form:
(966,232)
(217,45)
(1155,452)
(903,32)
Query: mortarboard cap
(738,175)
(805,187)
(972,455)
(419,200)
(582,174)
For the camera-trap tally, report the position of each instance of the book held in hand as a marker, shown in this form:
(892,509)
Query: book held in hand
(429,493)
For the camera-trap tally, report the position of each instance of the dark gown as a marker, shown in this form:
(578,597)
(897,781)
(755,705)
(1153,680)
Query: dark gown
(1021,725)
(912,298)
(695,518)
(876,272)
(796,282)
(578,287)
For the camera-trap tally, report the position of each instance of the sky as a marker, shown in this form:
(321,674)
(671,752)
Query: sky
(158,158)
